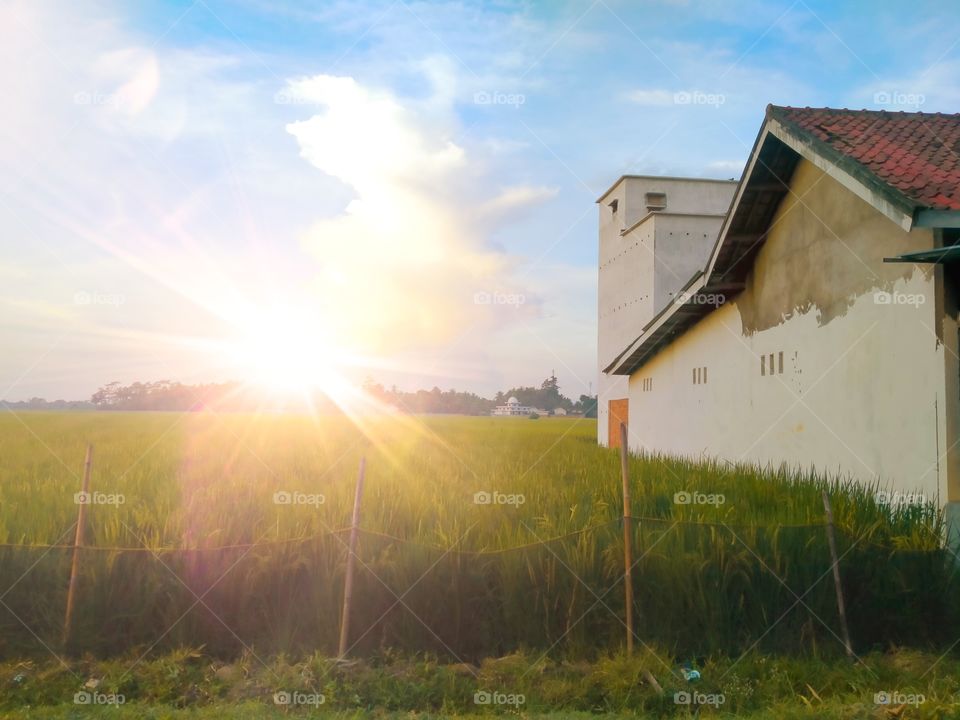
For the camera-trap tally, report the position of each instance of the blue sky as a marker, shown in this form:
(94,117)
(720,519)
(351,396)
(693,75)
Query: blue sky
(184,179)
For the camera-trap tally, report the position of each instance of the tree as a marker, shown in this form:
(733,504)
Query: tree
(106,396)
(587,404)
(547,396)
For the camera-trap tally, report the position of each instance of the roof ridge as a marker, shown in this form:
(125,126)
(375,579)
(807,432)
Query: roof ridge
(780,109)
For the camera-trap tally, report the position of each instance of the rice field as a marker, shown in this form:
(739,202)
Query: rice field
(480,536)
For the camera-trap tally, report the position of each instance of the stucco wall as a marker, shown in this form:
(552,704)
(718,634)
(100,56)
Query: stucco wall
(625,302)
(682,246)
(684,195)
(862,381)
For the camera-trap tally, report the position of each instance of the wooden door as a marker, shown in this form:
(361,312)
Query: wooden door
(618,412)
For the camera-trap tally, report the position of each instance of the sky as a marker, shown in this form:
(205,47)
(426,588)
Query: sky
(203,191)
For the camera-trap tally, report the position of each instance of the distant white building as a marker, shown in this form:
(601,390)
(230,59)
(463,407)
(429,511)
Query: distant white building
(559,411)
(513,407)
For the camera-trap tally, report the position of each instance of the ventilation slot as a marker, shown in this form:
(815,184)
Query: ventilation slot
(771,364)
(656,201)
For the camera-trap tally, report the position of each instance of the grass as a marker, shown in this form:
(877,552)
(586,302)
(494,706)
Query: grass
(474,580)
(201,480)
(189,684)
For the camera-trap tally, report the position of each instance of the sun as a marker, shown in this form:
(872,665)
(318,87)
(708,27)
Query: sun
(288,352)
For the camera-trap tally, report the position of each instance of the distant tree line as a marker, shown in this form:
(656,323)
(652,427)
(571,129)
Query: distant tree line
(41,404)
(546,397)
(430,401)
(165,395)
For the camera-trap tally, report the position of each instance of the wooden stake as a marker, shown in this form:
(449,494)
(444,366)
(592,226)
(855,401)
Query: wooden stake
(627,535)
(77,544)
(348,580)
(836,575)
(652,682)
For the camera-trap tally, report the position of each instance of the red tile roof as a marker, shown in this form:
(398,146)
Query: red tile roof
(915,154)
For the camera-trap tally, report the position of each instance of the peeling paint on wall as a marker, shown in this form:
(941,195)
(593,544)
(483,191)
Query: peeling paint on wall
(824,260)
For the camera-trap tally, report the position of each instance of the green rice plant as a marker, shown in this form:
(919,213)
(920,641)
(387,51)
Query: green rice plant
(480,536)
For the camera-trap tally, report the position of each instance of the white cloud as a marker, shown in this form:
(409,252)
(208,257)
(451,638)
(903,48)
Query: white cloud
(368,139)
(511,200)
(402,263)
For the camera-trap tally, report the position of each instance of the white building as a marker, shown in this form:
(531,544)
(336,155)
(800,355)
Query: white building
(559,411)
(513,407)
(792,340)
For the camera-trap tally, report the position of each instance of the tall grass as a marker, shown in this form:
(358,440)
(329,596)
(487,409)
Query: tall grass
(472,579)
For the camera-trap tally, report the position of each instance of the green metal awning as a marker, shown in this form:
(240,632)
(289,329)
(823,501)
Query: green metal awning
(949,254)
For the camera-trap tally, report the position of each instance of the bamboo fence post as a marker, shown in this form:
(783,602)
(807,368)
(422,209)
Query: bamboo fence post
(627,536)
(77,543)
(351,554)
(628,552)
(836,575)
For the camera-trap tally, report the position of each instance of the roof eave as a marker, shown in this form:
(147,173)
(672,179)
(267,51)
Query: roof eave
(620,364)
(737,196)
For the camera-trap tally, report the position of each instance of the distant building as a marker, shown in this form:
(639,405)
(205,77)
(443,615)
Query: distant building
(559,411)
(513,407)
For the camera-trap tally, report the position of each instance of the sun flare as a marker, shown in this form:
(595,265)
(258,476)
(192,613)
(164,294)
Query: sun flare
(286,352)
